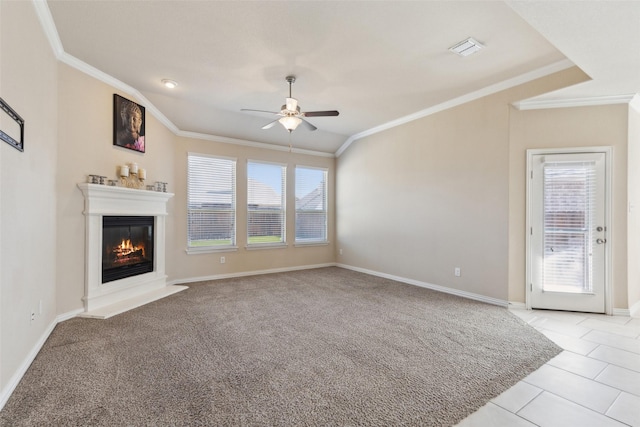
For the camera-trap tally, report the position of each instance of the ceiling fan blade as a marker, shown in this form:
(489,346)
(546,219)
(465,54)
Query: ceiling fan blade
(320,113)
(270,125)
(308,125)
(260,111)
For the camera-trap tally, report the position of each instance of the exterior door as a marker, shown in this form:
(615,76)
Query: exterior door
(568,232)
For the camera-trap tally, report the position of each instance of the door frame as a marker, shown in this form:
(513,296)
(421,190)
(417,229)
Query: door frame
(608,223)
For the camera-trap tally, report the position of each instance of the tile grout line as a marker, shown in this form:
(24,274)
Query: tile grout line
(607,364)
(632,353)
(529,401)
(590,358)
(576,403)
(611,406)
(612,345)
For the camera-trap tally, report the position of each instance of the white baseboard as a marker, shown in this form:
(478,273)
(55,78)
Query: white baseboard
(518,305)
(248,273)
(69,315)
(621,312)
(634,311)
(17,376)
(464,294)
(616,311)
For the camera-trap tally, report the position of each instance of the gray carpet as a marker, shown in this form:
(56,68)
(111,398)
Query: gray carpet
(317,347)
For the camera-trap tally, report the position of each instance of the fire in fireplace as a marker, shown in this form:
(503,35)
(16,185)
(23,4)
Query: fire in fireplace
(127,246)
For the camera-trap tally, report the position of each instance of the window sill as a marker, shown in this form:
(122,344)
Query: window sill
(210,249)
(317,243)
(259,246)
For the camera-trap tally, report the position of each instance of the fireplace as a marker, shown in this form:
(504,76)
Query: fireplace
(127,246)
(124,249)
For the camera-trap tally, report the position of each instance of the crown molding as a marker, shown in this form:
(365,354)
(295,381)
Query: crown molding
(92,71)
(345,145)
(254,144)
(635,102)
(48,26)
(573,102)
(472,96)
(51,32)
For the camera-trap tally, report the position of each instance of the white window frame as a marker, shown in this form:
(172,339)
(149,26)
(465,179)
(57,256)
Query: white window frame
(313,242)
(283,208)
(214,248)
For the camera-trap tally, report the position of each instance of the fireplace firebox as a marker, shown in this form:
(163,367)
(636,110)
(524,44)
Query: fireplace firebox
(127,246)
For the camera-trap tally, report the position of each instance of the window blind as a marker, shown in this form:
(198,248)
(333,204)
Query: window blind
(211,201)
(569,210)
(266,196)
(311,204)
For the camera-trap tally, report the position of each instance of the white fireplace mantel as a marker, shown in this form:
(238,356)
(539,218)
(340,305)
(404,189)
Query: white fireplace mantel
(102,300)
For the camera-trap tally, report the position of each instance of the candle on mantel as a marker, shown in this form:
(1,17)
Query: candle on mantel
(124,171)
(134,168)
(142,174)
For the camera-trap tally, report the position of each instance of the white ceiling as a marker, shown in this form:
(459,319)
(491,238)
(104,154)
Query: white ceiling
(601,37)
(376,62)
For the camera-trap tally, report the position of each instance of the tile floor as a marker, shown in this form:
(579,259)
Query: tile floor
(595,381)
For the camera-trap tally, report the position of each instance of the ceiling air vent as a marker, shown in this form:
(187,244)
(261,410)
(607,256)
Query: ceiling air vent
(466,47)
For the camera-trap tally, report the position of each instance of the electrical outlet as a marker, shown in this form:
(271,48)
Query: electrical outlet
(457,271)
(33,316)
(222,260)
(340,251)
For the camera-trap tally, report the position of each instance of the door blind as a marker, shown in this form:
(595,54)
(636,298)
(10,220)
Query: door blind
(569,211)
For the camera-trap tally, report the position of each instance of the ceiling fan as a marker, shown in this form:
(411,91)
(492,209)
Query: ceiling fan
(290,114)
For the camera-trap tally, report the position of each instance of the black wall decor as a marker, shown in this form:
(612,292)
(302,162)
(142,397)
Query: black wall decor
(7,137)
(128,124)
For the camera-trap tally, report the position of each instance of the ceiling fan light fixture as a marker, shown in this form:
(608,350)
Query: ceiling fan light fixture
(290,123)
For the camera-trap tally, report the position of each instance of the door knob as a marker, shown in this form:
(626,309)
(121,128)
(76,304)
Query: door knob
(599,229)
(601,241)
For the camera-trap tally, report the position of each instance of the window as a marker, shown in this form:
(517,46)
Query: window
(211,203)
(311,205)
(266,187)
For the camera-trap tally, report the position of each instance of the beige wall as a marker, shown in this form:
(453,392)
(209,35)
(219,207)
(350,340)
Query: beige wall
(561,128)
(86,147)
(184,266)
(28,193)
(418,200)
(633,231)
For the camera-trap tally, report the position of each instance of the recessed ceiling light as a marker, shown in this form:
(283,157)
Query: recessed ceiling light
(171,84)
(466,47)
